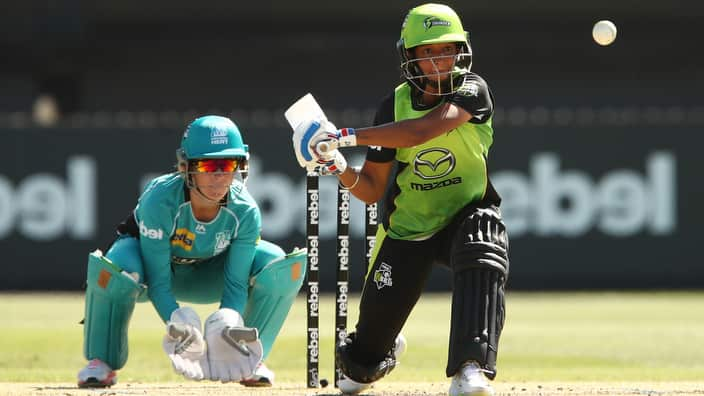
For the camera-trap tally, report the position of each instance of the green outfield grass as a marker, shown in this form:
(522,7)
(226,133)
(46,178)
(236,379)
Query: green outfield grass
(645,336)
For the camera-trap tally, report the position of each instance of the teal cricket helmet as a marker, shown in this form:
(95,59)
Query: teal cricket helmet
(212,136)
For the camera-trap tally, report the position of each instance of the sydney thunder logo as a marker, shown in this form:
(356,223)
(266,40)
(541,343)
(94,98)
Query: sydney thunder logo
(382,276)
(434,21)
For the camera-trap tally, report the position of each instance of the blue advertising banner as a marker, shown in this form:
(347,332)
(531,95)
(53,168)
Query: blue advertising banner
(586,208)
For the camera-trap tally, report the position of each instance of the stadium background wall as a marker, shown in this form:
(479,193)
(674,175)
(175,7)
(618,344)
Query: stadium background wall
(596,150)
(584,215)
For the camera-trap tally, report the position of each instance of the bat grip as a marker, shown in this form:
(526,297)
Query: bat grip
(325,147)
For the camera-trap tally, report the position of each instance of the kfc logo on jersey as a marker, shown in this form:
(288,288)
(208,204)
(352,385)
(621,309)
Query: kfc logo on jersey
(433,163)
(183,238)
(382,276)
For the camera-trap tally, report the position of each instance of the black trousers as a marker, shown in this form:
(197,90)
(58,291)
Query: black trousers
(391,290)
(394,284)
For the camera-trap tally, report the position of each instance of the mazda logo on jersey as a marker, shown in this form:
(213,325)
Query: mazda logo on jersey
(433,163)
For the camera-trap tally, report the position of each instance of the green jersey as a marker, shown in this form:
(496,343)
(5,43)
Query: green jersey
(436,179)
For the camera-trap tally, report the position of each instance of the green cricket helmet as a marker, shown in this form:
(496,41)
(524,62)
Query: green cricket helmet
(433,24)
(213,137)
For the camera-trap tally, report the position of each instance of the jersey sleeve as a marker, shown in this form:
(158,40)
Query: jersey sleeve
(238,265)
(155,222)
(384,115)
(474,96)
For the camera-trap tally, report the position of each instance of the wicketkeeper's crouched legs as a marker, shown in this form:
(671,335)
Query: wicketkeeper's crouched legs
(111,295)
(273,290)
(479,261)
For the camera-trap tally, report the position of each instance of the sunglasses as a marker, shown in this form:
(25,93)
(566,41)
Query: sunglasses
(215,165)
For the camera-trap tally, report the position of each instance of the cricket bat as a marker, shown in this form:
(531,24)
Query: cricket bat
(304,109)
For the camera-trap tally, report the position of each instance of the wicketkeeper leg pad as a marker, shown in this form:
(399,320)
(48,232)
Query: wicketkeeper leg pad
(110,299)
(479,260)
(273,290)
(126,251)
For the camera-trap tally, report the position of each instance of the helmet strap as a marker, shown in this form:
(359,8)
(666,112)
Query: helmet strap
(193,187)
(220,202)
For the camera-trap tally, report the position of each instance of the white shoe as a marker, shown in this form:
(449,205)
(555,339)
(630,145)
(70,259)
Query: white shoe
(400,345)
(96,375)
(263,377)
(470,381)
(349,386)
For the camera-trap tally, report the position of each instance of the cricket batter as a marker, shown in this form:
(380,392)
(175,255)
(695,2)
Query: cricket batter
(194,237)
(430,145)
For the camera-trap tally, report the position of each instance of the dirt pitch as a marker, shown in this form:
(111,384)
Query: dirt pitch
(381,389)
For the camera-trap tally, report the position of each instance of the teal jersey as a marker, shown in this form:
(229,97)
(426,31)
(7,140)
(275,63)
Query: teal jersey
(171,235)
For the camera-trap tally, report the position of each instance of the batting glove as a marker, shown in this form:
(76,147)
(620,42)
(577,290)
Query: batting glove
(322,144)
(305,134)
(333,163)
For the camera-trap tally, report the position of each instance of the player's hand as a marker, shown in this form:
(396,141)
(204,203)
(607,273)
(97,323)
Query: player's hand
(184,343)
(333,163)
(234,351)
(303,136)
(323,144)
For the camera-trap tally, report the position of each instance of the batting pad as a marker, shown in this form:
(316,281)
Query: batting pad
(110,299)
(272,292)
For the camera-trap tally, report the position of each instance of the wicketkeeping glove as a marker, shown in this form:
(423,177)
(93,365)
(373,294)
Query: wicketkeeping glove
(234,351)
(184,343)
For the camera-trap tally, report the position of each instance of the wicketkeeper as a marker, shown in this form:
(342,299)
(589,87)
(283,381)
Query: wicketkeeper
(194,237)
(430,144)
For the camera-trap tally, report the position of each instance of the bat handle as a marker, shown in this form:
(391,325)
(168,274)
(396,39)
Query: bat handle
(325,147)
